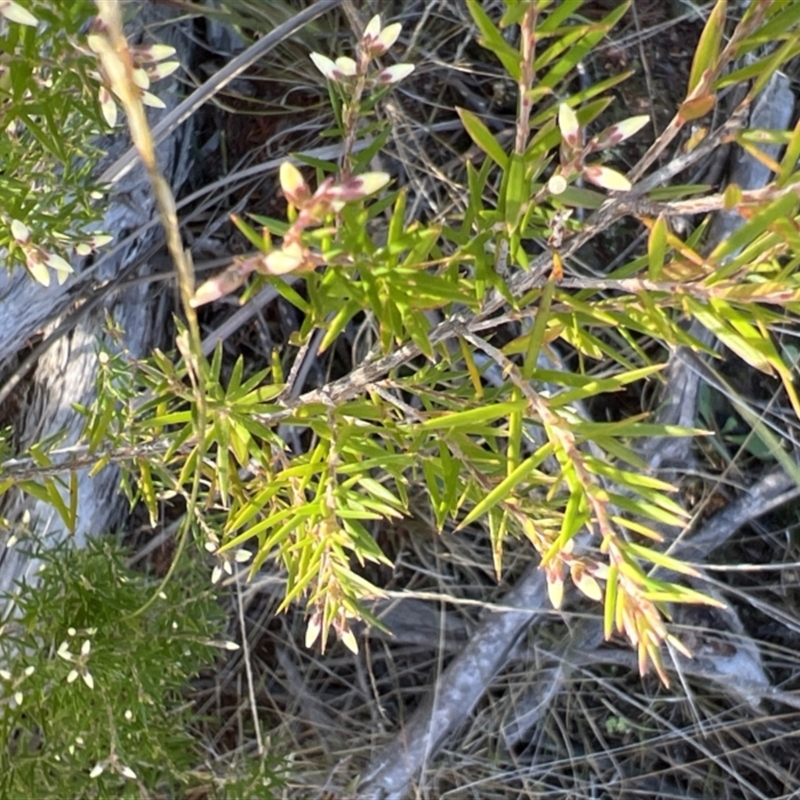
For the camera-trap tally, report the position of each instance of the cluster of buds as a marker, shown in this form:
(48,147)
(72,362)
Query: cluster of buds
(341,627)
(113,764)
(38,260)
(375,41)
(148,65)
(585,573)
(313,208)
(293,255)
(573,153)
(79,660)
(225,559)
(16,682)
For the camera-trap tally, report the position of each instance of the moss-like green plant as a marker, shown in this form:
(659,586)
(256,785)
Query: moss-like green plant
(93,693)
(50,118)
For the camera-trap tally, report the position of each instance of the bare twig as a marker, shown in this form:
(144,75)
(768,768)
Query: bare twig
(457,691)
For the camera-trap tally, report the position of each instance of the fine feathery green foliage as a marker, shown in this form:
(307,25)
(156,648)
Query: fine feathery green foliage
(53,108)
(493,429)
(87,680)
(50,118)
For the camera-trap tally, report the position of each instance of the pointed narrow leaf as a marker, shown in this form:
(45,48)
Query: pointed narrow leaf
(706,55)
(482,137)
(748,345)
(610,606)
(657,248)
(661,559)
(492,39)
(517,191)
(502,491)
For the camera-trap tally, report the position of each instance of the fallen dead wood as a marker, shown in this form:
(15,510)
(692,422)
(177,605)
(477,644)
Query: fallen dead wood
(74,321)
(392,771)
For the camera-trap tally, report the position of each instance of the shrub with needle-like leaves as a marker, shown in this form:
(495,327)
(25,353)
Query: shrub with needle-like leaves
(494,430)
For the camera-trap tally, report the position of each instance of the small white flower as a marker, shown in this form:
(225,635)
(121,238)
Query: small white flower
(59,264)
(287,259)
(16,13)
(100,240)
(141,78)
(293,186)
(378,41)
(395,73)
(152,101)
(107,106)
(225,564)
(389,35)
(606,178)
(63,651)
(373,28)
(128,714)
(569,126)
(161,71)
(346,66)
(20,231)
(95,42)
(343,67)
(157,52)
(324,65)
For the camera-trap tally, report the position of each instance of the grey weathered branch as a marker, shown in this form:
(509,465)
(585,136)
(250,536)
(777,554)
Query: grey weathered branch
(460,687)
(65,374)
